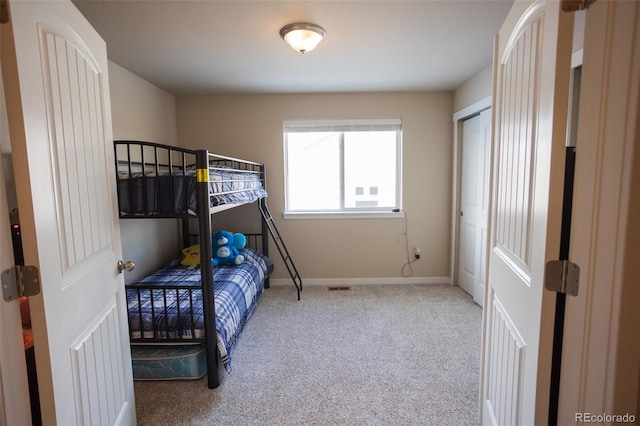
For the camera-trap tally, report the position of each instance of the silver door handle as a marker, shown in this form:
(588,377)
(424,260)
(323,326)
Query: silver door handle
(125,266)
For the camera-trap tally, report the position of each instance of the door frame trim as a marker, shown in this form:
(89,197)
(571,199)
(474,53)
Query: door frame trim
(601,369)
(14,405)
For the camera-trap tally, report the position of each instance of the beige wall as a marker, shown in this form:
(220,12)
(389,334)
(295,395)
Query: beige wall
(473,90)
(250,126)
(142,111)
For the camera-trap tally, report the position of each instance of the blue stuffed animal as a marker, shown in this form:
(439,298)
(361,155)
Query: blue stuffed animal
(226,248)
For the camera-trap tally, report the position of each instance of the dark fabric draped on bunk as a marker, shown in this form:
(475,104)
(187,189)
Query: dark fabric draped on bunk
(165,194)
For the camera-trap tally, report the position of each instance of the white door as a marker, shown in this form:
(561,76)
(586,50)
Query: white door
(474,201)
(60,122)
(530,98)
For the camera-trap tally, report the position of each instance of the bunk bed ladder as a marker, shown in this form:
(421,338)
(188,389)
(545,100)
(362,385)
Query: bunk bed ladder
(282,248)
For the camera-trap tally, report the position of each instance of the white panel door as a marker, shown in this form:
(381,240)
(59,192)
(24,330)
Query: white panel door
(474,199)
(530,98)
(59,113)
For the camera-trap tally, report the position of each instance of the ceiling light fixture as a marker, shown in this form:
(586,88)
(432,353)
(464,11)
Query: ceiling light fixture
(302,38)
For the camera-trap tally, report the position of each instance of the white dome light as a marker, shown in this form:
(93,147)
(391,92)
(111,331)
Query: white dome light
(302,38)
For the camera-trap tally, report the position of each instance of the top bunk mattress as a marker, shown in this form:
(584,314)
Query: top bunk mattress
(175,193)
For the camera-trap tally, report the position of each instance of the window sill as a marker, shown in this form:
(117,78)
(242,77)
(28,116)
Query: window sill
(344,215)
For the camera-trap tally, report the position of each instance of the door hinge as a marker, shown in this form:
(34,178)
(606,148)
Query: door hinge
(20,281)
(562,276)
(575,5)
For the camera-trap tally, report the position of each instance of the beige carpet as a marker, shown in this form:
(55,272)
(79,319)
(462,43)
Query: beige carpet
(371,355)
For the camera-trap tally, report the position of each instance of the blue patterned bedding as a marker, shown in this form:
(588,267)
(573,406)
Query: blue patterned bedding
(168,303)
(175,193)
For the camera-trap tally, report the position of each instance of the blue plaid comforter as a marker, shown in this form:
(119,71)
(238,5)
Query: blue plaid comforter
(168,303)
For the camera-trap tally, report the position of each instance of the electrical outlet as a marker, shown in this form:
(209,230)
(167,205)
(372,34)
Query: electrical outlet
(416,252)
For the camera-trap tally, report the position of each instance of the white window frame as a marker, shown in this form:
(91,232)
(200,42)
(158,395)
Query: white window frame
(345,126)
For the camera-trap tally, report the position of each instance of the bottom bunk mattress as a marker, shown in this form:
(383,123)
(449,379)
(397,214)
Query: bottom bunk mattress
(167,305)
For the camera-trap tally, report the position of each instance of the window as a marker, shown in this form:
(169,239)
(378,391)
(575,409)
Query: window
(342,167)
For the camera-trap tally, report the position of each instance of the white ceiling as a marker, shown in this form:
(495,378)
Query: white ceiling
(234,46)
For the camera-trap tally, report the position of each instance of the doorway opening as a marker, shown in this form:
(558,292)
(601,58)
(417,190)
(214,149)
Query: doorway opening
(25,317)
(18,259)
(565,239)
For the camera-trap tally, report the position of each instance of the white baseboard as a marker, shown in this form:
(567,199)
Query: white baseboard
(361,281)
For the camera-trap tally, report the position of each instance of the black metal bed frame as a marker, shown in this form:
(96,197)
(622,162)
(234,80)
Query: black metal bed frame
(171,159)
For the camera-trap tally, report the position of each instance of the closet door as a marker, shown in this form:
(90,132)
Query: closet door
(59,112)
(474,200)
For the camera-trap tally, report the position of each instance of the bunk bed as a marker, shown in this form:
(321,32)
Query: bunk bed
(178,304)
